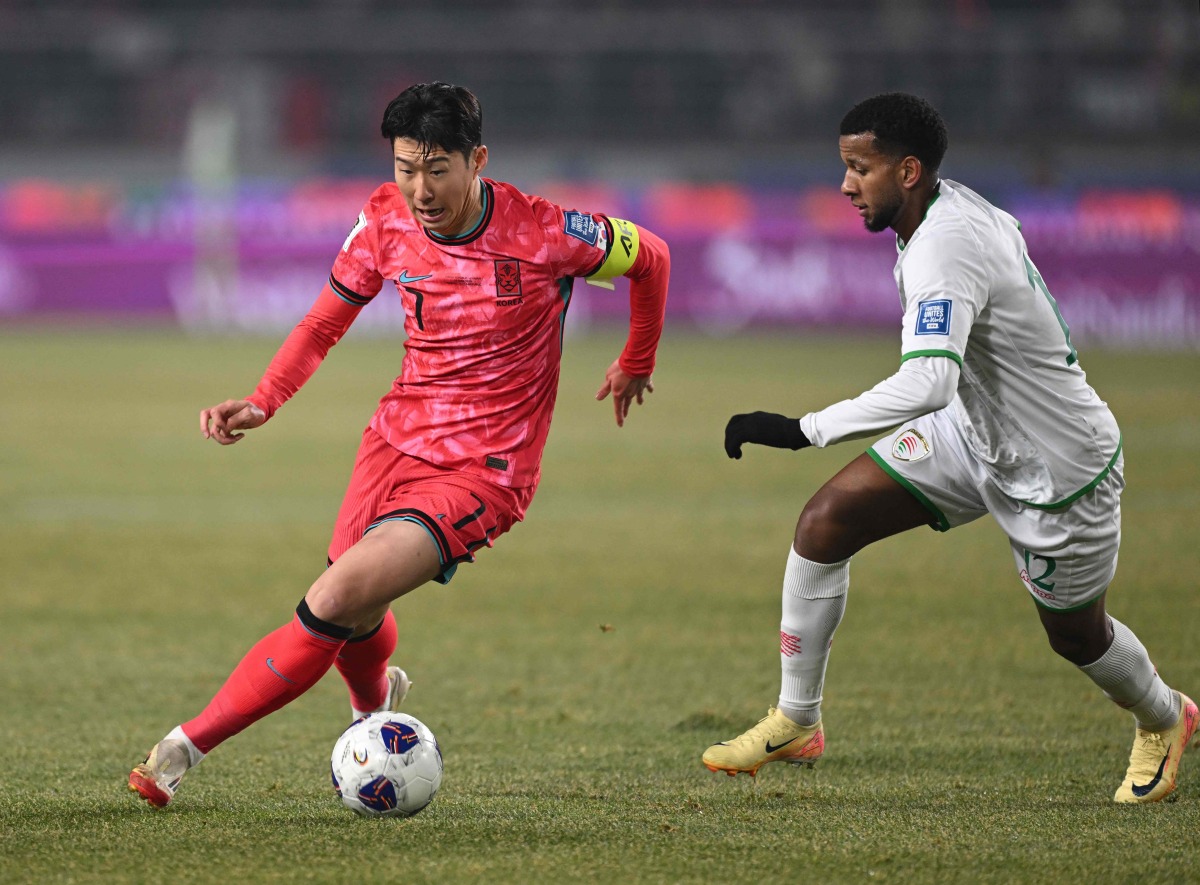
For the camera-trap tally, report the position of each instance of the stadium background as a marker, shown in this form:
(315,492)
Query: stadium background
(200,162)
(175,178)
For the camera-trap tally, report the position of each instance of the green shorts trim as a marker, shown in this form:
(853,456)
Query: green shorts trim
(1087,488)
(941,524)
(1072,608)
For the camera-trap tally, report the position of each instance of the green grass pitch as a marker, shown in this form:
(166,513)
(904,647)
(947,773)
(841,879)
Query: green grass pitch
(574,674)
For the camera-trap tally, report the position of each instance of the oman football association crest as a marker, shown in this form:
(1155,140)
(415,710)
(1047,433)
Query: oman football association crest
(909,445)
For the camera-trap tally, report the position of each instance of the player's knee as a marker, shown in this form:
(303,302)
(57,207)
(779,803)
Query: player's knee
(332,600)
(321,626)
(1081,636)
(820,532)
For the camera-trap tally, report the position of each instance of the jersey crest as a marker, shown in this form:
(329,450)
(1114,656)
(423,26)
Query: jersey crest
(910,445)
(508,278)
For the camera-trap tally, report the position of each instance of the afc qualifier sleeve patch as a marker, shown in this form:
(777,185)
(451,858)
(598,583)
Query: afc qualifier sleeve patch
(581,226)
(933,317)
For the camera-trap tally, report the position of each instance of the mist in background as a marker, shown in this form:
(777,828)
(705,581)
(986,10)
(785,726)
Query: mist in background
(201,163)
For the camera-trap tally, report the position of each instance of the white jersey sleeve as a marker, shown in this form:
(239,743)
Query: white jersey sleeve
(922,385)
(943,288)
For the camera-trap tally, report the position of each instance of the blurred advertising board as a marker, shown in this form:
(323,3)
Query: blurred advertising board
(1124,266)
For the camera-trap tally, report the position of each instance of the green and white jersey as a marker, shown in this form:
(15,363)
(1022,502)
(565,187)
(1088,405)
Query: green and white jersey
(971,295)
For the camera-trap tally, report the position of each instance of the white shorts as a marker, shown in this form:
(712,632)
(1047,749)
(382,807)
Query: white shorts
(1065,557)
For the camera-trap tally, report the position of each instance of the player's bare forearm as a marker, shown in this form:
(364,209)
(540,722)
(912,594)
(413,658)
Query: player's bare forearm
(625,390)
(223,422)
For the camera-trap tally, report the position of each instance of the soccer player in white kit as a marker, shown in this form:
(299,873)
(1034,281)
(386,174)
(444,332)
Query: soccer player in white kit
(991,414)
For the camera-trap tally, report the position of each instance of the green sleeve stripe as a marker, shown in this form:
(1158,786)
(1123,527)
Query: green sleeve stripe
(948,354)
(943,524)
(1087,488)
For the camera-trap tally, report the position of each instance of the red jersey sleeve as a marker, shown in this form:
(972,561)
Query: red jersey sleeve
(579,244)
(648,279)
(303,350)
(356,277)
(577,241)
(352,284)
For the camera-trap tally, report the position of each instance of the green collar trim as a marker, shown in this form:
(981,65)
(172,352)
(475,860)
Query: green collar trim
(937,192)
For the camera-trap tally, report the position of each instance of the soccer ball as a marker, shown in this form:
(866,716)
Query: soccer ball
(386,765)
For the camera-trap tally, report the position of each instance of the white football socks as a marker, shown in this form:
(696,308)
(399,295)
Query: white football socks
(814,600)
(1128,678)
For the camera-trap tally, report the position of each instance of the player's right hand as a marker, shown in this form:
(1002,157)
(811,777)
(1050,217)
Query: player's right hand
(625,390)
(221,422)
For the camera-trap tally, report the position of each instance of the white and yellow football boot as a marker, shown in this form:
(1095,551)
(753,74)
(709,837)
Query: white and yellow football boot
(775,739)
(398,686)
(157,779)
(1154,761)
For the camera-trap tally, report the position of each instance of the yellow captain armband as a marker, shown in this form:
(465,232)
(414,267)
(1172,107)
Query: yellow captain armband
(621,254)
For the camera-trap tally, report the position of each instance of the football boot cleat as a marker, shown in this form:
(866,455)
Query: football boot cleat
(774,739)
(1154,761)
(157,779)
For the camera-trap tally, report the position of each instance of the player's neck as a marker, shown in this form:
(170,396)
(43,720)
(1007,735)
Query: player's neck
(473,211)
(915,210)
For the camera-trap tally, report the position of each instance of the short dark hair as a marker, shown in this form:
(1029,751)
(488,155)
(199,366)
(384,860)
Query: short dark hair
(435,115)
(903,125)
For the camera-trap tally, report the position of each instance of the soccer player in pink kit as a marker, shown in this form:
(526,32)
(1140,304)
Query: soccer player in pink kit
(452,456)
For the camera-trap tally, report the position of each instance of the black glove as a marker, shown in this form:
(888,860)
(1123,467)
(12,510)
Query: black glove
(764,428)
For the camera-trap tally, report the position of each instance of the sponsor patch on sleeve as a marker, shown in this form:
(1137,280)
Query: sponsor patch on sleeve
(581,226)
(933,317)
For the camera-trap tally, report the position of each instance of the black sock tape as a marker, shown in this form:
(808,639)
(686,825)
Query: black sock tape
(367,636)
(312,622)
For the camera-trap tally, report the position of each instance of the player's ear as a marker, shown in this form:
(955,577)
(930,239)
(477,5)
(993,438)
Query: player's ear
(479,158)
(910,172)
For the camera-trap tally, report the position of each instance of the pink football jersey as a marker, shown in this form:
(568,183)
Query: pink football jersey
(484,321)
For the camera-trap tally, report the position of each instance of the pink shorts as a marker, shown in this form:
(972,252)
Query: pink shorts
(460,511)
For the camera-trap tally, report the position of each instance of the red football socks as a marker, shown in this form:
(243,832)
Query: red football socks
(278,669)
(363,664)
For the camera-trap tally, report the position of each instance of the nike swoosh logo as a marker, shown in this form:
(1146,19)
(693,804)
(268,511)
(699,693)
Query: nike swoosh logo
(405,278)
(771,748)
(271,667)
(1142,789)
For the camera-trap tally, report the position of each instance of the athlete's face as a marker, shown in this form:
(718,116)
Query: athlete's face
(440,187)
(872,181)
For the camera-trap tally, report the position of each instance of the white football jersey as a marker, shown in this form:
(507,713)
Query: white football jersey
(971,294)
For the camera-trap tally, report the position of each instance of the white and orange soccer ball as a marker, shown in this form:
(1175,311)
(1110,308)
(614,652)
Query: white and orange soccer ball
(386,765)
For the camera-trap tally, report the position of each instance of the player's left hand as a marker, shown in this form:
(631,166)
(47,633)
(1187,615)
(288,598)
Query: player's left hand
(625,389)
(764,429)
